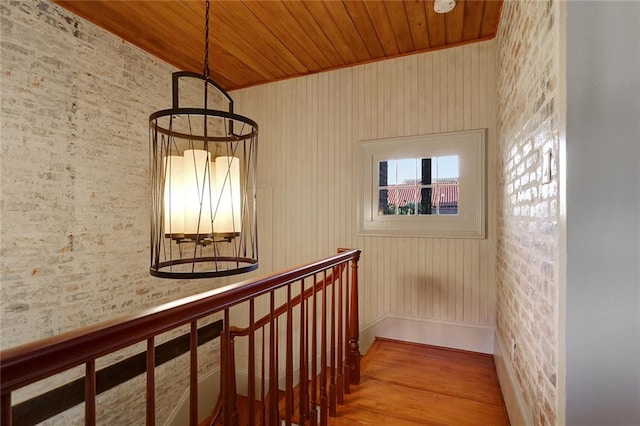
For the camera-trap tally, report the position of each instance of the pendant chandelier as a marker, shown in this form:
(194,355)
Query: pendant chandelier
(203,181)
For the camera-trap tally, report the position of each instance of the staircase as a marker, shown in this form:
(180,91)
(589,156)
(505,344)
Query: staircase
(321,325)
(312,328)
(308,416)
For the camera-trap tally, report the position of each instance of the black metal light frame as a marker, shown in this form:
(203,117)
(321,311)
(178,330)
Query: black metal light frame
(174,130)
(208,252)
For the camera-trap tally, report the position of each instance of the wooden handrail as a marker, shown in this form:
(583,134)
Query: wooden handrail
(55,401)
(29,363)
(282,309)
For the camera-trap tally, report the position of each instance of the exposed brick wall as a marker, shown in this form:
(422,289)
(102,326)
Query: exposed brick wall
(527,252)
(75,189)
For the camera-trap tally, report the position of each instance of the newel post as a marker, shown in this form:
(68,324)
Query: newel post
(354,328)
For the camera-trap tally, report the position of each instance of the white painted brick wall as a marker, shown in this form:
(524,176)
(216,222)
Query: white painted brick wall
(74,190)
(527,257)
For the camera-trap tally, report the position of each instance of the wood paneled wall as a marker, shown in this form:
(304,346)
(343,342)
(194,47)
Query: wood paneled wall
(310,129)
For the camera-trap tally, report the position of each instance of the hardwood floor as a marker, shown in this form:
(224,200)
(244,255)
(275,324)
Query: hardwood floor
(405,384)
(408,384)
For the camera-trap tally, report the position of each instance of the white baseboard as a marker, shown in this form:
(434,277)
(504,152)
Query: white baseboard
(519,413)
(468,337)
(208,391)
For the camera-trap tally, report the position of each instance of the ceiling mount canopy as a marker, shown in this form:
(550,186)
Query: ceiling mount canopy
(203,181)
(444,6)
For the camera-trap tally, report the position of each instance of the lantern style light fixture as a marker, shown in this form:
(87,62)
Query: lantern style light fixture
(203,181)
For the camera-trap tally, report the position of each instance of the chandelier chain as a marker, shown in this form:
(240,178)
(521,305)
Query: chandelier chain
(206,41)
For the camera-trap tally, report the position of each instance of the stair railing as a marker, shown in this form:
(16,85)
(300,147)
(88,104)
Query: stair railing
(26,364)
(325,333)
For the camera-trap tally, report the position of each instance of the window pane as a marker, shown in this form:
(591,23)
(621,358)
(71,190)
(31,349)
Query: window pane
(448,199)
(448,169)
(407,195)
(407,171)
(400,199)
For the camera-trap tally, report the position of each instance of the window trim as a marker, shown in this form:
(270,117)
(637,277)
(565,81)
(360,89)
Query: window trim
(470,222)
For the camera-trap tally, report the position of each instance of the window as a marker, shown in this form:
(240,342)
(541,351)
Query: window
(418,186)
(432,185)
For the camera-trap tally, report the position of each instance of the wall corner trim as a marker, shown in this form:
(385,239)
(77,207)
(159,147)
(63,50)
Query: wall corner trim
(519,413)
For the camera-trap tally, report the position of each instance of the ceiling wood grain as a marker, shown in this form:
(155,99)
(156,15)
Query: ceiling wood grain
(255,42)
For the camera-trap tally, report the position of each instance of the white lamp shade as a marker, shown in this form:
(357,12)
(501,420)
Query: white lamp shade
(174,195)
(198,177)
(227,216)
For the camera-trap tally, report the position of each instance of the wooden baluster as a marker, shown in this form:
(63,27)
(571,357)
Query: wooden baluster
(229,406)
(289,362)
(262,393)
(340,375)
(273,367)
(347,322)
(354,331)
(251,392)
(90,394)
(345,369)
(303,384)
(151,383)
(332,361)
(323,354)
(224,378)
(193,374)
(233,393)
(277,358)
(313,414)
(5,408)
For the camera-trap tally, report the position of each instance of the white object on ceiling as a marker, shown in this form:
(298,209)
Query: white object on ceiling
(444,6)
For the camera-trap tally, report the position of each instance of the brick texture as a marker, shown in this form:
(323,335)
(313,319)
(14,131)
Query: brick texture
(75,189)
(527,207)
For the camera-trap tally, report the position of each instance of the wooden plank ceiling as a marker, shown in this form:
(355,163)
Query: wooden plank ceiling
(254,42)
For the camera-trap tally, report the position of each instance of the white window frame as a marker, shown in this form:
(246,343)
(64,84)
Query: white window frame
(470,222)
